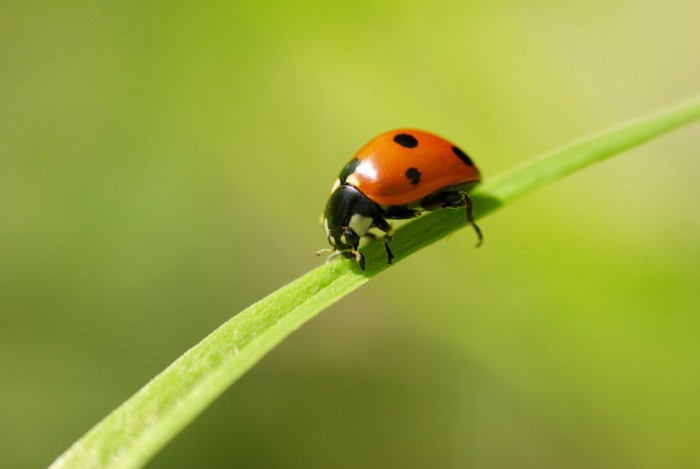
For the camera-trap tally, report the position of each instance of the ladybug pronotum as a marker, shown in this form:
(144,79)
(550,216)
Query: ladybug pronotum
(397,175)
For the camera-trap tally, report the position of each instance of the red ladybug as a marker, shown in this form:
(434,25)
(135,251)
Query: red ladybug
(399,174)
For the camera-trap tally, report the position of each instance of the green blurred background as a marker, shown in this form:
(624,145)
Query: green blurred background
(163,165)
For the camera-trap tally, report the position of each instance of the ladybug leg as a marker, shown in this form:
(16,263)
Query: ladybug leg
(356,255)
(388,230)
(360,258)
(470,218)
(454,199)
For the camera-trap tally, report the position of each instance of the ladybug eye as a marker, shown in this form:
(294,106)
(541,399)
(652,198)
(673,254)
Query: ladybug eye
(406,140)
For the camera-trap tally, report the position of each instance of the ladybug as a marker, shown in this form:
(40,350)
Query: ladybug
(397,175)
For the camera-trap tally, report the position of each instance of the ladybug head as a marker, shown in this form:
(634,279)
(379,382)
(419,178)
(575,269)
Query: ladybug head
(349,215)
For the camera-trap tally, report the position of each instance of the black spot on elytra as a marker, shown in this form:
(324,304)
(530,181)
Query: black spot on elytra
(463,156)
(348,169)
(406,140)
(414,175)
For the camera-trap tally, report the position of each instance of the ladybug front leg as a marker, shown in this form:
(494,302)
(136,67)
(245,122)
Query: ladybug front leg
(385,226)
(355,255)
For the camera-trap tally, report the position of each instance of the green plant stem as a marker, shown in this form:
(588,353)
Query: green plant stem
(140,427)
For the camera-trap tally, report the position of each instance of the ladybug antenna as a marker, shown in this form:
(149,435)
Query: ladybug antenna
(325,251)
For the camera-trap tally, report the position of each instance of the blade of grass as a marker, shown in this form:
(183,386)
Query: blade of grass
(140,427)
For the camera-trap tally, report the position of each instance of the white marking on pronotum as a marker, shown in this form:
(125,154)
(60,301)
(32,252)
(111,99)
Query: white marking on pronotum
(360,224)
(335,185)
(325,227)
(352,180)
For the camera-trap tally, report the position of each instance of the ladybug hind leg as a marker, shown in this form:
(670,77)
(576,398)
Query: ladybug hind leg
(470,219)
(454,199)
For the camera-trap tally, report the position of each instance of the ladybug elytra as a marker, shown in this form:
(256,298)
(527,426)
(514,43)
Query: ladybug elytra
(397,175)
